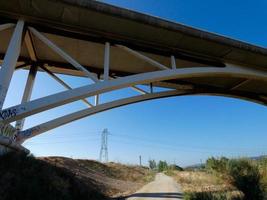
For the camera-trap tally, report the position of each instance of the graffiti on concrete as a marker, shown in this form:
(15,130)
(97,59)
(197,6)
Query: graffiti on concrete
(7,130)
(8,113)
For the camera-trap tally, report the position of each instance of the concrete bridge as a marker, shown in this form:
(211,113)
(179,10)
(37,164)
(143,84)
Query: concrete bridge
(114,48)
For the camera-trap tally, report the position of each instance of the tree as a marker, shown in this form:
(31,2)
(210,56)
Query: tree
(162,166)
(152,164)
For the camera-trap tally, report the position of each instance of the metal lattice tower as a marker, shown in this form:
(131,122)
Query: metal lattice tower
(104,146)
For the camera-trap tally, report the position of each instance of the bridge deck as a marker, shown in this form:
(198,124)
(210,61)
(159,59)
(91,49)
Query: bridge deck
(81,28)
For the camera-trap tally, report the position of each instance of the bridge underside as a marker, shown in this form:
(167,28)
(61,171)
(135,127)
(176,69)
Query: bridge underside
(114,48)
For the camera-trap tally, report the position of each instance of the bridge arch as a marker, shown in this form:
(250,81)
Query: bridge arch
(55,123)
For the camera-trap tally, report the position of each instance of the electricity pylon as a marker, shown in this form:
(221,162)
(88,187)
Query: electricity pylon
(104,146)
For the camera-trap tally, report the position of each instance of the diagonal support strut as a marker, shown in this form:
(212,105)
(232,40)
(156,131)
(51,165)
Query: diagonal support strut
(10,61)
(62,53)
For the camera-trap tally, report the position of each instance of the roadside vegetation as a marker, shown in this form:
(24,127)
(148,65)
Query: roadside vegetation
(225,179)
(55,178)
(163,166)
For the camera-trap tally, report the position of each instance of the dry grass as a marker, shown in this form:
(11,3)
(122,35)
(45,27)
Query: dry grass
(202,182)
(114,179)
(131,173)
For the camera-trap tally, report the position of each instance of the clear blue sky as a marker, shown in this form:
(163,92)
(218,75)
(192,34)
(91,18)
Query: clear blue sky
(184,130)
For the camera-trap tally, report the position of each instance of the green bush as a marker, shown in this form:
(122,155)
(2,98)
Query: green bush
(246,177)
(217,165)
(162,166)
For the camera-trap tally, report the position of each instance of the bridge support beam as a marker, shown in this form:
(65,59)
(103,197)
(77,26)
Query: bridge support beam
(65,85)
(6,26)
(10,61)
(8,132)
(27,93)
(173,62)
(63,54)
(106,61)
(143,57)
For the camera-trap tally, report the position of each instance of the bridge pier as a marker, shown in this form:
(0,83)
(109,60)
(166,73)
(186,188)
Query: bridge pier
(8,141)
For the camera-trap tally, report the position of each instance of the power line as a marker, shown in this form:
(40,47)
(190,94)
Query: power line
(145,142)
(61,142)
(168,147)
(165,143)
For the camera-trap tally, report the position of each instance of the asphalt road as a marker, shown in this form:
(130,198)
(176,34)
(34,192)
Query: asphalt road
(162,188)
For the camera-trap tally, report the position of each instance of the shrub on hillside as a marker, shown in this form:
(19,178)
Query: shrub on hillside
(249,176)
(217,165)
(263,171)
(246,177)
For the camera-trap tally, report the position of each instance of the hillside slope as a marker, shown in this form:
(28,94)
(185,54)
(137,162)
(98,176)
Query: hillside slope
(112,179)
(27,177)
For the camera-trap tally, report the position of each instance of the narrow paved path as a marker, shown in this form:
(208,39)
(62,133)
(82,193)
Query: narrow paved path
(163,188)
